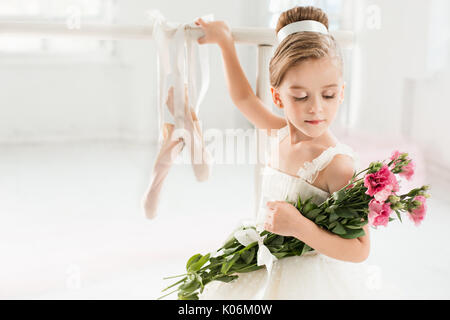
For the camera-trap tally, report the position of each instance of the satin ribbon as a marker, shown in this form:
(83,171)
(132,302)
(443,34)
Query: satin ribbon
(264,256)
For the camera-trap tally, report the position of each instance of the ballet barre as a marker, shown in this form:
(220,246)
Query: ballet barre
(245,35)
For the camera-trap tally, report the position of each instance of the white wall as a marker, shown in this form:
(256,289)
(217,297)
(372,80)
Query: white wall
(390,57)
(59,100)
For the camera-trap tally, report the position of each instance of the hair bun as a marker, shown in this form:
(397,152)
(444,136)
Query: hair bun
(300,13)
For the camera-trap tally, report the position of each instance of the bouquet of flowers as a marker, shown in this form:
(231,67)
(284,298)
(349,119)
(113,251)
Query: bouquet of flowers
(371,199)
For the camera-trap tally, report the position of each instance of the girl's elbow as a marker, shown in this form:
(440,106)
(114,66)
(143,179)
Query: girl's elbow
(362,255)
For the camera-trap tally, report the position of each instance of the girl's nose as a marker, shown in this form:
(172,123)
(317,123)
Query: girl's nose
(315,106)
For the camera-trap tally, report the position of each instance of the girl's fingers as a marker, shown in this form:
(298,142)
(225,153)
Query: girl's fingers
(271,204)
(201,40)
(200,22)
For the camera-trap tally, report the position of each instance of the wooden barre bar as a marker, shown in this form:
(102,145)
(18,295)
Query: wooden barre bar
(245,35)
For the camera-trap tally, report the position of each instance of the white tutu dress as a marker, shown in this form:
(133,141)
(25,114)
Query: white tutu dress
(311,275)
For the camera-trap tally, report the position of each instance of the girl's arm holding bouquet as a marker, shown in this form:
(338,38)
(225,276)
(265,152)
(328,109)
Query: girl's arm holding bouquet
(284,219)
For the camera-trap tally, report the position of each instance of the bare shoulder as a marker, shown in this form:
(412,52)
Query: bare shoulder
(339,172)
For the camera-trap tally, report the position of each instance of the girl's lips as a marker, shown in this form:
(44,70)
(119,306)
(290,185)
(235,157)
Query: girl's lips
(314,122)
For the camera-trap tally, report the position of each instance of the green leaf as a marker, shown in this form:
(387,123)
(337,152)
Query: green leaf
(248,255)
(199,280)
(306,248)
(313,213)
(275,248)
(278,240)
(332,225)
(331,208)
(333,217)
(399,216)
(193,259)
(305,203)
(320,218)
(227,278)
(338,196)
(227,265)
(339,229)
(189,285)
(353,234)
(345,213)
(250,268)
(280,255)
(189,296)
(308,207)
(299,202)
(230,242)
(195,266)
(349,226)
(357,223)
(226,252)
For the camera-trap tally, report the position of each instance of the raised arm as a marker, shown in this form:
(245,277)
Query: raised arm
(239,88)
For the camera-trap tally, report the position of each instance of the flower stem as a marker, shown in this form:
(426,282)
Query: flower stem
(174,284)
(166,294)
(354,204)
(361,172)
(180,275)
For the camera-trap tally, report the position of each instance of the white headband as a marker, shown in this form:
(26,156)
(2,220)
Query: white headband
(300,26)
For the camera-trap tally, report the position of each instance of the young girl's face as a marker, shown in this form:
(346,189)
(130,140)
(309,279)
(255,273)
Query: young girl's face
(311,90)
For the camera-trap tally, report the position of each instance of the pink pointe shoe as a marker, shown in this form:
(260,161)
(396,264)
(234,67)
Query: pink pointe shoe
(169,150)
(201,165)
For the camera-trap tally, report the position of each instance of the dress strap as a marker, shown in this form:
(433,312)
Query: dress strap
(310,169)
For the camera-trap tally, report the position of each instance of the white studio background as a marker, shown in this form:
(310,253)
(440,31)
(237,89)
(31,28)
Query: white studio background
(78,131)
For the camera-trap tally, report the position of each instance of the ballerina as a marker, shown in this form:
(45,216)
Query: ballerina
(306,76)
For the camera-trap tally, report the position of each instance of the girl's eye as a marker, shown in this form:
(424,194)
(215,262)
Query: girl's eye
(304,98)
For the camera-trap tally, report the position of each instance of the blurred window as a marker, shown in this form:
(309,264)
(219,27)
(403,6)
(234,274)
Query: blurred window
(71,13)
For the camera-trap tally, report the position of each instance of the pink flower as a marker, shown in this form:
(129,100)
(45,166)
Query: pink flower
(418,214)
(379,213)
(408,170)
(395,155)
(381,184)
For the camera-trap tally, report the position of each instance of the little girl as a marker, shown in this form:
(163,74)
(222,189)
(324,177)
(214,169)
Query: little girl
(306,77)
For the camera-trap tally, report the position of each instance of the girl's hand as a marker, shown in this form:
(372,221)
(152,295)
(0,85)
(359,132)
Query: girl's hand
(283,218)
(215,32)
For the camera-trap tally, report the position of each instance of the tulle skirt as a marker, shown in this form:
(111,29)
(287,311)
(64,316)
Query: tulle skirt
(308,277)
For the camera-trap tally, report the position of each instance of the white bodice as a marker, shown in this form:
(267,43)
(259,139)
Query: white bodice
(278,185)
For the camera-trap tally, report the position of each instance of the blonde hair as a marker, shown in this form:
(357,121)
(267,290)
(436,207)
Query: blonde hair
(301,46)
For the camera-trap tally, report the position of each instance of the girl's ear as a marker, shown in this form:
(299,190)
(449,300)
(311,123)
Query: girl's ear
(276,97)
(341,98)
